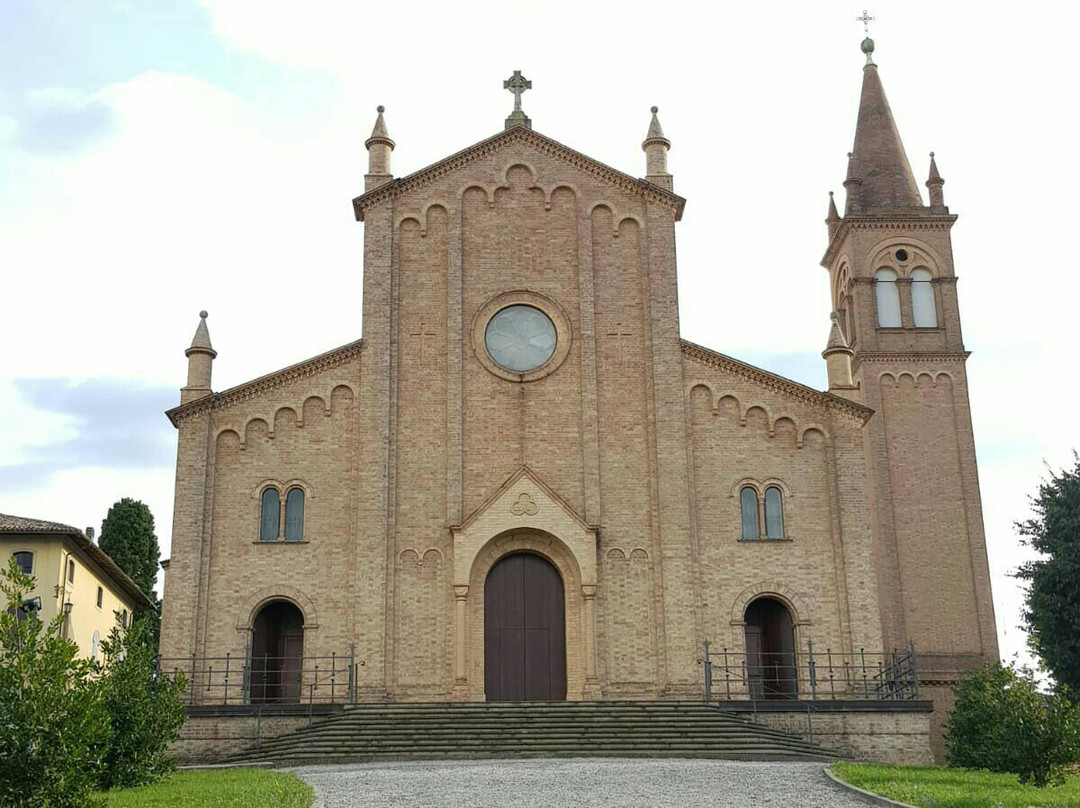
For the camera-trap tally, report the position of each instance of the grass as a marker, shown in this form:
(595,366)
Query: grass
(929,787)
(224,788)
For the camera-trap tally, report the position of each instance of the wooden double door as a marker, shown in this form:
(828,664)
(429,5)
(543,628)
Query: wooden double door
(524,631)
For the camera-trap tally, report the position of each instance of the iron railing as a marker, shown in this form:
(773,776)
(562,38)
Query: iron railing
(264,679)
(810,675)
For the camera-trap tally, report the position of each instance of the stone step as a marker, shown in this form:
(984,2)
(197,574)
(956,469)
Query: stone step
(418,731)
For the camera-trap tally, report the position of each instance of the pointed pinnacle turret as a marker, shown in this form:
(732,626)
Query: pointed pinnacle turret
(200,343)
(880,161)
(656,147)
(936,185)
(200,363)
(838,356)
(379,133)
(379,147)
(832,221)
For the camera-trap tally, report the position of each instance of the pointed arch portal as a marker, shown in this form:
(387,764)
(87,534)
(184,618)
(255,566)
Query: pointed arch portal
(524,631)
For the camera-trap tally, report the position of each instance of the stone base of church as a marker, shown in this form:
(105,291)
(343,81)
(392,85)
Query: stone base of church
(880,732)
(212,733)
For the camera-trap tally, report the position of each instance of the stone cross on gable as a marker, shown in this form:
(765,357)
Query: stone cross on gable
(517,84)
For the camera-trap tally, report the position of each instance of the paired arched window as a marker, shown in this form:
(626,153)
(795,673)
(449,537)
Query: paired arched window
(25,561)
(887,296)
(270,523)
(922,299)
(754,512)
(270,515)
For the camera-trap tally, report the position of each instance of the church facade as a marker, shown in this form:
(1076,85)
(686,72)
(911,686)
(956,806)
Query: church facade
(522,483)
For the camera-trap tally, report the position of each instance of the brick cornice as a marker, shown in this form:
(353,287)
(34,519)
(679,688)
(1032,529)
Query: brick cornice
(255,387)
(776,383)
(926,357)
(880,221)
(514,135)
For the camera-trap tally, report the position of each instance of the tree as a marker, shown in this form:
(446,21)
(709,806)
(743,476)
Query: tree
(1001,722)
(145,709)
(1052,606)
(127,535)
(53,726)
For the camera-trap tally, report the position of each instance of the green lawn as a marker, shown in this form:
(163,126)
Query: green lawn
(929,787)
(224,788)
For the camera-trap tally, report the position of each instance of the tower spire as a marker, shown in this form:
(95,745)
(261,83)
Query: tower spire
(879,159)
(656,147)
(379,147)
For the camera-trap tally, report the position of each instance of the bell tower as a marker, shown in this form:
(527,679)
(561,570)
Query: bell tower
(894,291)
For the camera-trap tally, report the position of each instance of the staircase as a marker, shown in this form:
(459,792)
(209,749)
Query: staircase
(369,732)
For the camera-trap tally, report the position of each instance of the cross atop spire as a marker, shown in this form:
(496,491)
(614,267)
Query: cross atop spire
(865,19)
(517,84)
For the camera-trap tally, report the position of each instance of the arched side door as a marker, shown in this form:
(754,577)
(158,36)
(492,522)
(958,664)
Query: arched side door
(771,671)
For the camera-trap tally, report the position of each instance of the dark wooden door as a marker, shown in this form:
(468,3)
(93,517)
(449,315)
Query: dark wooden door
(277,651)
(524,631)
(770,650)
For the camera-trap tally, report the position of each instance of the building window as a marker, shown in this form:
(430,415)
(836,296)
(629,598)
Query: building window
(94,645)
(124,618)
(71,571)
(922,299)
(294,515)
(100,596)
(748,499)
(888,298)
(774,513)
(270,524)
(25,562)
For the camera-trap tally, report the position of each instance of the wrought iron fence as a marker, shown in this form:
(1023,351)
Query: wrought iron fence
(810,675)
(264,679)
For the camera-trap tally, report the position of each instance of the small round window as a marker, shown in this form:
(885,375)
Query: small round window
(520,338)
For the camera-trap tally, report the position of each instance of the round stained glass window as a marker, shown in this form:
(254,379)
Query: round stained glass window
(520,338)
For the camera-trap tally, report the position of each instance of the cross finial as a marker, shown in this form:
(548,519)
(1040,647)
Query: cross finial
(517,84)
(865,19)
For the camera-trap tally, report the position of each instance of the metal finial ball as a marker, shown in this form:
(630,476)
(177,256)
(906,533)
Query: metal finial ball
(655,110)
(867,46)
(830,194)
(931,155)
(380,109)
(203,314)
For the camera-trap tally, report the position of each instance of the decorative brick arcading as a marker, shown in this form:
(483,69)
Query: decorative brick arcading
(777,383)
(544,144)
(279,378)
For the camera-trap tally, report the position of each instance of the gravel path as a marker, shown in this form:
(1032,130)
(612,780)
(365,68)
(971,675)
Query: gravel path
(592,782)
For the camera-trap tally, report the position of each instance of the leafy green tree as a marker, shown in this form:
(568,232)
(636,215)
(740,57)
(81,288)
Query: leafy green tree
(1001,722)
(145,710)
(53,726)
(127,535)
(1052,613)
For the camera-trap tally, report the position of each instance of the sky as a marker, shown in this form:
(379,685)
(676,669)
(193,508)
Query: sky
(158,157)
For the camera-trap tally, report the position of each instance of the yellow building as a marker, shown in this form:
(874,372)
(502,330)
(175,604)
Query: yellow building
(74,578)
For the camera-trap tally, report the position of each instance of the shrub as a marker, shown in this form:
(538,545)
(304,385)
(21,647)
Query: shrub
(1001,722)
(53,725)
(145,711)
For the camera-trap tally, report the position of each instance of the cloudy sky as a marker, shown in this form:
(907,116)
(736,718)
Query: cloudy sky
(158,157)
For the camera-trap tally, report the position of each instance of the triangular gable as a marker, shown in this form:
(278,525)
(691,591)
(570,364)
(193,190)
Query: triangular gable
(517,134)
(539,496)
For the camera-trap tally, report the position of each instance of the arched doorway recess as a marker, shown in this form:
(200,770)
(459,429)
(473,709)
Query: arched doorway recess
(770,650)
(524,630)
(277,651)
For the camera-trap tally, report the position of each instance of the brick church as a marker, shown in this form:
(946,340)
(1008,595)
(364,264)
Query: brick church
(521,483)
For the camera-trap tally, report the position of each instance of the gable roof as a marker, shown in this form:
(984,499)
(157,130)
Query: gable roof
(775,382)
(20,525)
(516,134)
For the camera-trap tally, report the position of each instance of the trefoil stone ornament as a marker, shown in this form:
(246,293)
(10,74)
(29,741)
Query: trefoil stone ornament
(524,506)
